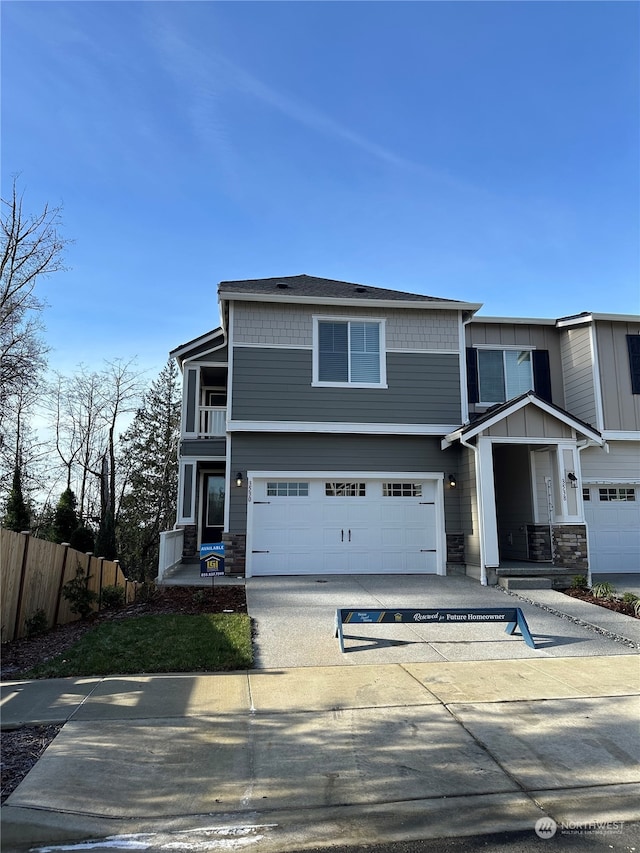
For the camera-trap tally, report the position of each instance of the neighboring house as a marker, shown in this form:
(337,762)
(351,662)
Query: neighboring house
(331,427)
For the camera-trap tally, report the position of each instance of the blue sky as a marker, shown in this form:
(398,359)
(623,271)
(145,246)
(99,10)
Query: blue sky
(484,151)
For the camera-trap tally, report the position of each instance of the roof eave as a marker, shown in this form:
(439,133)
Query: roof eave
(338,300)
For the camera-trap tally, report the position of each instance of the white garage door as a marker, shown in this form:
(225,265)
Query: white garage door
(353,525)
(612,514)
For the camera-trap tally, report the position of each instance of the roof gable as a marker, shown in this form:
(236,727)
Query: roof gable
(506,410)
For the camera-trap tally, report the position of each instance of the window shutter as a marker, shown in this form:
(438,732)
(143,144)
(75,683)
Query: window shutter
(633,345)
(542,374)
(472,374)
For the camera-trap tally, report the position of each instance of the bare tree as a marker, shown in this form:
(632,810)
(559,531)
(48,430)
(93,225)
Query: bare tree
(31,248)
(86,411)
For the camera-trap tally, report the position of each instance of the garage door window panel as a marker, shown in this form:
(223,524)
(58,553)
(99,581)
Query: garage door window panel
(287,490)
(345,490)
(402,490)
(617,494)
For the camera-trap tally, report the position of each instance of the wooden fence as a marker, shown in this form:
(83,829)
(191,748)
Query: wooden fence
(33,573)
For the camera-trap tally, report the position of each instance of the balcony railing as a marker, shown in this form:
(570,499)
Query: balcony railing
(213,422)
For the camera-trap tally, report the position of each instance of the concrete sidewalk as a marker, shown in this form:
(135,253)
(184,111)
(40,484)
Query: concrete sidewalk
(289,759)
(408,735)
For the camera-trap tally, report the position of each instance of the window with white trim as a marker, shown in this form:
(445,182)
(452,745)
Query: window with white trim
(617,494)
(345,490)
(287,490)
(503,374)
(402,490)
(349,352)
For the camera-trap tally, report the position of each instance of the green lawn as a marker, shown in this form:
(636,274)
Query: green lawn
(168,643)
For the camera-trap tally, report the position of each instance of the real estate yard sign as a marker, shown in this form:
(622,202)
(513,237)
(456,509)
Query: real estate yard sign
(211,560)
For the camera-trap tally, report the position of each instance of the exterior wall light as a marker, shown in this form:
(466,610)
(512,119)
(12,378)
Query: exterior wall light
(452,481)
(239,479)
(572,479)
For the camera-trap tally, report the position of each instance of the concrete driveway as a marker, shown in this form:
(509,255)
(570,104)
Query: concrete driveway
(295,618)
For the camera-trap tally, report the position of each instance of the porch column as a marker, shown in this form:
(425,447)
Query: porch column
(487,503)
(568,479)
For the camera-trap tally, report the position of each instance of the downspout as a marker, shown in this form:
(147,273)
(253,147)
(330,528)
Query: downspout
(483,568)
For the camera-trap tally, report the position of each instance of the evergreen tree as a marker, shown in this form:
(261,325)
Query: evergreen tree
(106,539)
(82,539)
(150,455)
(17,516)
(65,519)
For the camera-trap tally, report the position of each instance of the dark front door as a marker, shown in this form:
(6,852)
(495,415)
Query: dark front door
(213,508)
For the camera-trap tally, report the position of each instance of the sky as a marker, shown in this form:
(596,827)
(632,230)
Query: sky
(480,151)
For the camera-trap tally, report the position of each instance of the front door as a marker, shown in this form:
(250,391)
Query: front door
(213,508)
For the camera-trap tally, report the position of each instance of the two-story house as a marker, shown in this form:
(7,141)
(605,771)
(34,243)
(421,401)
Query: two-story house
(331,427)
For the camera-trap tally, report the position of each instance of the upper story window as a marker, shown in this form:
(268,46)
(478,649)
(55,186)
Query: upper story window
(349,352)
(633,344)
(503,374)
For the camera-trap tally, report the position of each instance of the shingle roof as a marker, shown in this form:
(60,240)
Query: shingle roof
(312,286)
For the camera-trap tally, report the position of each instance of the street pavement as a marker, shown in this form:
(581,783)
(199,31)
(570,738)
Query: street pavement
(414,732)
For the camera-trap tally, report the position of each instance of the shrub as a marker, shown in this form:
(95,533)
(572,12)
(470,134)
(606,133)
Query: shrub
(36,623)
(81,599)
(112,597)
(603,590)
(579,582)
(630,598)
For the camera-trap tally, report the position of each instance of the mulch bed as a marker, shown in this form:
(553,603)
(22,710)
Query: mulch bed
(22,747)
(610,603)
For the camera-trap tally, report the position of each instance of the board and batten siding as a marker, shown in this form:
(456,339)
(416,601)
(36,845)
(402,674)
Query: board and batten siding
(542,337)
(271,384)
(621,407)
(316,452)
(292,325)
(577,364)
(531,422)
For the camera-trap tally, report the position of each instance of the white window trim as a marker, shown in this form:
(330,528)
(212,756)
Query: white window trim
(503,348)
(381,321)
(182,517)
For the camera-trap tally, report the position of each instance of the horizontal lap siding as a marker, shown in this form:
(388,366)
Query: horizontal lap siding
(203,447)
(272,384)
(275,452)
(577,362)
(620,463)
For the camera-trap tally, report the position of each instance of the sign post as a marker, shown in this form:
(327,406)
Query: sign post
(513,616)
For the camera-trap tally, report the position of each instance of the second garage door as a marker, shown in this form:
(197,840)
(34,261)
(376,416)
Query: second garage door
(612,513)
(323,525)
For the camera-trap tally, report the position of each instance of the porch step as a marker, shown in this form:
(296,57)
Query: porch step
(525,583)
(532,571)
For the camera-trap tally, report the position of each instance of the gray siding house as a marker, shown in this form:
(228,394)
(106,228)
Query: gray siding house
(332,427)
